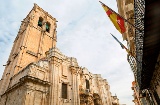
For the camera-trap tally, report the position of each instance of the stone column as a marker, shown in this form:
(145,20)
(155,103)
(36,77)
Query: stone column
(74,85)
(55,57)
(54,79)
(77,84)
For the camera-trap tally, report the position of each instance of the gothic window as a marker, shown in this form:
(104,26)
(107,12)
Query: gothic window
(64,91)
(40,21)
(48,26)
(87,84)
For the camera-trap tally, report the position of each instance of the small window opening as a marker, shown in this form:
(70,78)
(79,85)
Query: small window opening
(40,21)
(64,91)
(128,2)
(47,27)
(87,84)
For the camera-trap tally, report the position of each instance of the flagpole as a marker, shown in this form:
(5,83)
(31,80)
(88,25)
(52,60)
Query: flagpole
(121,17)
(118,41)
(127,50)
(123,47)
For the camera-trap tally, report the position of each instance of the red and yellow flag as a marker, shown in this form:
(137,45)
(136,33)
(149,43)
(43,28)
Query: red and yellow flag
(117,20)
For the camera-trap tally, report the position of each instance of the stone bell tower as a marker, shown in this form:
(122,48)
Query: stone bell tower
(37,73)
(37,34)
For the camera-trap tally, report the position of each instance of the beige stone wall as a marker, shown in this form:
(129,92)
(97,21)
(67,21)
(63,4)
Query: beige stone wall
(29,87)
(36,94)
(57,71)
(126,10)
(37,70)
(136,94)
(67,70)
(27,94)
(16,97)
(100,85)
(30,45)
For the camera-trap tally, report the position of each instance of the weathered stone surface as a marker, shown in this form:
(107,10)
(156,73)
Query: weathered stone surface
(35,76)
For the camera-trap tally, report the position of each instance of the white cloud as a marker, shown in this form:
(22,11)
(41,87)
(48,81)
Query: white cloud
(83,32)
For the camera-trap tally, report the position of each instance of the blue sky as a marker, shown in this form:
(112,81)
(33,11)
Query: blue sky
(83,32)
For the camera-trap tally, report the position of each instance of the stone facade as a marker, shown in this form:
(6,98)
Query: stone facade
(150,95)
(30,44)
(139,99)
(126,9)
(37,73)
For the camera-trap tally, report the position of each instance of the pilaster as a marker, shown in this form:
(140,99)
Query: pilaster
(55,62)
(75,83)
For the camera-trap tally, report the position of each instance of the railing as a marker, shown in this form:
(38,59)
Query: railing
(139,10)
(133,64)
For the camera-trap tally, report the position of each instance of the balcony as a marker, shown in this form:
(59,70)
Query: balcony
(147,40)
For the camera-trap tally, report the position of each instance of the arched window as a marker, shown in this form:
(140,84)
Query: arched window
(40,21)
(48,26)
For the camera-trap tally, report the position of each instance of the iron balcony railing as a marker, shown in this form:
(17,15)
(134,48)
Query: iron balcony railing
(133,65)
(139,12)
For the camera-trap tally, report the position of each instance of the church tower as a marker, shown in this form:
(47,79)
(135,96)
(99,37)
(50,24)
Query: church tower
(37,73)
(37,34)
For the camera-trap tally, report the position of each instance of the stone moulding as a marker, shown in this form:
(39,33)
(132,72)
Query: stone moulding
(34,80)
(26,79)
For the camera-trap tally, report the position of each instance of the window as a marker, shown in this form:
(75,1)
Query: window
(64,91)
(128,2)
(40,21)
(47,26)
(87,84)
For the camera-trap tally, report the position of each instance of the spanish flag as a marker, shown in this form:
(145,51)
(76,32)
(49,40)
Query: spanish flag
(117,20)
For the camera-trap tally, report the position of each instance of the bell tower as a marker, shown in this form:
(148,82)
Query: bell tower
(37,34)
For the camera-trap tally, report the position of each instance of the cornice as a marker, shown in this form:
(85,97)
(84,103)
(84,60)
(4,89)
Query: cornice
(26,79)
(46,13)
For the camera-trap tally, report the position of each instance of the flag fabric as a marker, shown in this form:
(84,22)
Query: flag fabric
(123,47)
(116,19)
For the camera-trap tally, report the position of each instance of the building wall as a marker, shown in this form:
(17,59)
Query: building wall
(28,87)
(126,10)
(136,94)
(15,97)
(30,45)
(41,84)
(39,74)
(26,94)
(69,72)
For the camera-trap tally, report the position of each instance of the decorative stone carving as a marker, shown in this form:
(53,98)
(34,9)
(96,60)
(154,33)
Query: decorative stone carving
(97,99)
(40,83)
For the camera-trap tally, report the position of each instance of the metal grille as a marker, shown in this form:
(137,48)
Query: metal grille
(139,10)
(133,64)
